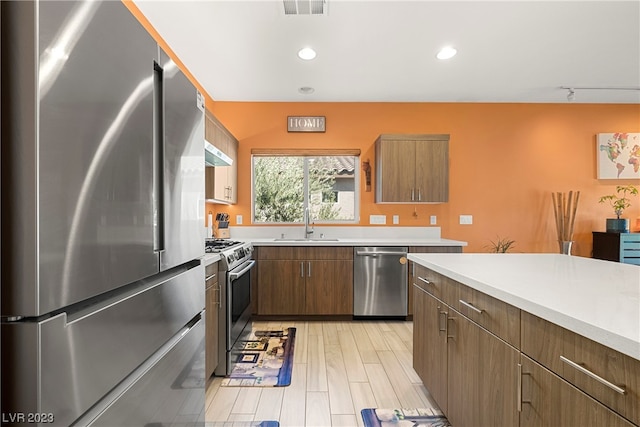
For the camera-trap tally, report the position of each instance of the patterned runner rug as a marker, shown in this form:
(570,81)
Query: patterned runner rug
(419,417)
(265,361)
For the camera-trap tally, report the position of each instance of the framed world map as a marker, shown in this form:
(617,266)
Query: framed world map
(618,155)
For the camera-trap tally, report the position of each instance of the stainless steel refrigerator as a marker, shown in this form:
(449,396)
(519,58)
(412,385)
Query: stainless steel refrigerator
(102,221)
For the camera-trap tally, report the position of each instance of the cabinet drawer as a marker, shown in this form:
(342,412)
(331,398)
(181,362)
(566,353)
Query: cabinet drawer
(494,315)
(541,341)
(580,360)
(618,369)
(211,271)
(439,286)
(282,252)
(342,253)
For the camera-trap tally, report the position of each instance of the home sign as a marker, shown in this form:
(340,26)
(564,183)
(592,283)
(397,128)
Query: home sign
(306,123)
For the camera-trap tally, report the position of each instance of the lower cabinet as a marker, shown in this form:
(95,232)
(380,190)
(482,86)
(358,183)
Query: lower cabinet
(548,400)
(305,280)
(212,305)
(482,376)
(470,373)
(490,364)
(430,351)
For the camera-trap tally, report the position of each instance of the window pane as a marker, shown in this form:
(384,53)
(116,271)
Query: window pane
(332,188)
(278,189)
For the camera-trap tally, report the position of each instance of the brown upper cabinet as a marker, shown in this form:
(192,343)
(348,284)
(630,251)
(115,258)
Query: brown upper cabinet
(412,168)
(221,181)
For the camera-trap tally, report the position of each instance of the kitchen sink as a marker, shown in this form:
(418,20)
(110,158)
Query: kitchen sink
(310,239)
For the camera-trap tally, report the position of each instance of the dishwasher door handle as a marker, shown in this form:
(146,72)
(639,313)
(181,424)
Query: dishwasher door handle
(383,253)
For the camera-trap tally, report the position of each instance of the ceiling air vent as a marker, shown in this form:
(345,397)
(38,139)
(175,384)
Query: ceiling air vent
(304,7)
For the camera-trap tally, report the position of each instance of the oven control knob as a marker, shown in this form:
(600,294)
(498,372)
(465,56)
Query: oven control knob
(231,258)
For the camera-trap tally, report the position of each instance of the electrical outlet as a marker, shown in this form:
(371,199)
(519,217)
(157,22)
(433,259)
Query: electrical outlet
(396,219)
(433,220)
(466,219)
(239,219)
(378,219)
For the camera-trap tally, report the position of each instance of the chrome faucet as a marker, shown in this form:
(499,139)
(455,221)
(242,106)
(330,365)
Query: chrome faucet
(308,224)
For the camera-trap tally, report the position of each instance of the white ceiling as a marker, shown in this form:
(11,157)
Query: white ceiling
(508,51)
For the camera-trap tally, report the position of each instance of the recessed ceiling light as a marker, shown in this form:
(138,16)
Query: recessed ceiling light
(446,52)
(306,90)
(306,53)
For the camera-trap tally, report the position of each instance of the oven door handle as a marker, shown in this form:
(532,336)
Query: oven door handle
(246,267)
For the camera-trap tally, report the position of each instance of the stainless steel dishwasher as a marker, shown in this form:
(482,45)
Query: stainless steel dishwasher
(380,281)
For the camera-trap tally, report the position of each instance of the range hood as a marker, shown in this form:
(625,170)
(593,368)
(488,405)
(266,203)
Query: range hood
(215,157)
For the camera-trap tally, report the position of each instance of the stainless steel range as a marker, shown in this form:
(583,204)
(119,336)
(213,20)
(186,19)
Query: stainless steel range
(235,311)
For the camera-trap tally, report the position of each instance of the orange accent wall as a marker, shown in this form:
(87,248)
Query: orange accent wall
(505,160)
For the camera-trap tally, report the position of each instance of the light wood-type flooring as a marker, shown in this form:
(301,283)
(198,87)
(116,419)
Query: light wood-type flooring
(339,369)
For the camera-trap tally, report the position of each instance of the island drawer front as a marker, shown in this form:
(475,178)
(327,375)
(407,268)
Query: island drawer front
(583,360)
(439,286)
(496,316)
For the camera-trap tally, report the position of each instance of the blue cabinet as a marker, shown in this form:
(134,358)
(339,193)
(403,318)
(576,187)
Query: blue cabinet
(620,247)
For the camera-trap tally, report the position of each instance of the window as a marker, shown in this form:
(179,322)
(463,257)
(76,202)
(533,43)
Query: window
(285,185)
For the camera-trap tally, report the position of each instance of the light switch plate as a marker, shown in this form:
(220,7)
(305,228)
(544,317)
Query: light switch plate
(377,219)
(466,219)
(433,220)
(239,219)
(396,219)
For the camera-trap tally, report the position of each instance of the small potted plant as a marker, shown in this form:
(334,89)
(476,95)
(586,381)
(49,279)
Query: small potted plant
(619,202)
(502,245)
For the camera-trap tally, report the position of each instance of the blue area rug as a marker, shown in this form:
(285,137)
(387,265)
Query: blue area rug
(422,417)
(265,361)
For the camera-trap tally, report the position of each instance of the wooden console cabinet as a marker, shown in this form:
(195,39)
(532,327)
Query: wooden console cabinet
(620,247)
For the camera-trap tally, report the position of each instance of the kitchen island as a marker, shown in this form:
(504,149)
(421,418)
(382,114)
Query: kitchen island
(528,339)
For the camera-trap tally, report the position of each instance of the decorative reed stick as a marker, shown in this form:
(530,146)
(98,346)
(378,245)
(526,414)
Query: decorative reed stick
(564,209)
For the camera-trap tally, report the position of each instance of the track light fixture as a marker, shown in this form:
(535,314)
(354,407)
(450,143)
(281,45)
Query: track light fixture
(571,95)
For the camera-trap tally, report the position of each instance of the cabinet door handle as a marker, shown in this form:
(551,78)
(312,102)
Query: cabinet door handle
(413,192)
(447,327)
(442,326)
(520,400)
(592,375)
(219,302)
(519,388)
(419,194)
(309,269)
(469,305)
(301,269)
(422,279)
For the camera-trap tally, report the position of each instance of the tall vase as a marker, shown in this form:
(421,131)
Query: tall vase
(565,247)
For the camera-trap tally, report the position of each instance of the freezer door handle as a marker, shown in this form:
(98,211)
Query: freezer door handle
(158,159)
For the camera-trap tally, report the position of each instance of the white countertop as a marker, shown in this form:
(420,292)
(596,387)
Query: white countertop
(358,241)
(208,259)
(597,299)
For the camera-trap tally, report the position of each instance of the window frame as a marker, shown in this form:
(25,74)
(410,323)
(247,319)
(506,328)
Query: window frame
(308,153)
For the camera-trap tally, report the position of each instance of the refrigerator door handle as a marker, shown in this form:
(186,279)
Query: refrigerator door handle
(158,158)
